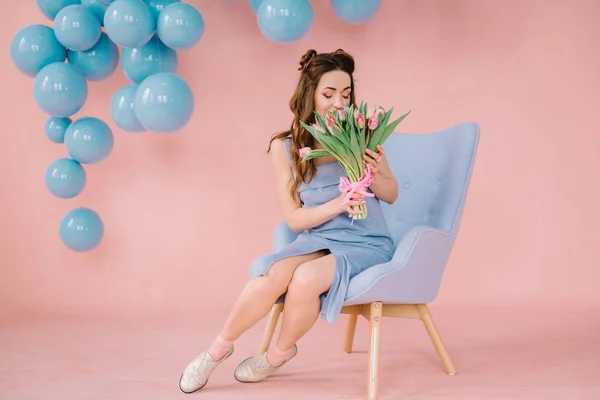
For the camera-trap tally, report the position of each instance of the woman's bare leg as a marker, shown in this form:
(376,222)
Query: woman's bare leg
(302,304)
(256,300)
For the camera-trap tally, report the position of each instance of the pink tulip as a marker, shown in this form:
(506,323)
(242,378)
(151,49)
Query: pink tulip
(360,119)
(329,126)
(375,111)
(370,113)
(318,127)
(331,119)
(341,113)
(374,121)
(303,152)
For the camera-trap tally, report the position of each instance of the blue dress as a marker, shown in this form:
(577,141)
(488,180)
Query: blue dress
(356,245)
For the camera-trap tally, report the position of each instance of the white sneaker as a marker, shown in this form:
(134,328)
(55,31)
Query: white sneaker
(196,374)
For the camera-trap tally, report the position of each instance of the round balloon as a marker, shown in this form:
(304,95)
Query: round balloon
(355,11)
(121,109)
(285,21)
(129,23)
(140,62)
(89,140)
(35,46)
(163,102)
(65,178)
(180,26)
(99,62)
(81,229)
(51,7)
(97,7)
(156,6)
(77,28)
(60,89)
(56,127)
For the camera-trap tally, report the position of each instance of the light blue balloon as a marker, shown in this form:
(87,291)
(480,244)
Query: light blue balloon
(51,7)
(77,28)
(60,89)
(99,62)
(254,4)
(355,11)
(81,229)
(163,103)
(129,23)
(98,7)
(156,6)
(141,62)
(89,140)
(121,109)
(65,178)
(285,21)
(180,26)
(35,46)
(56,127)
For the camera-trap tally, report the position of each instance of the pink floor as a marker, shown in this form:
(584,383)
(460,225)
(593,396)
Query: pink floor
(518,352)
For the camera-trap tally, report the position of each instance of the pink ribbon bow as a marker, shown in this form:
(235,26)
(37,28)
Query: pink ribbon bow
(360,186)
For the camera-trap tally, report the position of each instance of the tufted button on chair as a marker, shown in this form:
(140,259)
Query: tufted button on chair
(433,171)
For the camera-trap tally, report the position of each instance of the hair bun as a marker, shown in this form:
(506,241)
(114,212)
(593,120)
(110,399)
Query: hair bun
(306,59)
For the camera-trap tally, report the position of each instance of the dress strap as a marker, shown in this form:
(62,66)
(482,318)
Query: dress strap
(288,145)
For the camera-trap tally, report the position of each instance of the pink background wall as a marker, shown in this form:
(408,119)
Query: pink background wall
(184,219)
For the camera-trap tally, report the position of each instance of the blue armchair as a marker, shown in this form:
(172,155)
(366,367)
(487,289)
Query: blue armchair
(433,172)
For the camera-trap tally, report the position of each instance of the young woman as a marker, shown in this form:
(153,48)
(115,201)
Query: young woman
(312,273)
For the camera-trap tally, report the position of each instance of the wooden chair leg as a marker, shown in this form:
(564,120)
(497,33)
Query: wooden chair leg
(350,330)
(436,338)
(270,328)
(375,317)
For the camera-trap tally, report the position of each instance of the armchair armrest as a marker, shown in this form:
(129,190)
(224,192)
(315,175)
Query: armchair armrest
(283,236)
(412,276)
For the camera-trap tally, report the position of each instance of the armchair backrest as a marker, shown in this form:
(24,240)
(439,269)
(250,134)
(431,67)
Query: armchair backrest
(433,172)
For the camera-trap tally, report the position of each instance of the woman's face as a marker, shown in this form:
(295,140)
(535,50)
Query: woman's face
(333,91)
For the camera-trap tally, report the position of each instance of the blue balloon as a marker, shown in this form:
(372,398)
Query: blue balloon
(77,28)
(99,62)
(65,178)
(254,4)
(355,11)
(56,127)
(180,26)
(81,229)
(121,109)
(35,46)
(156,6)
(285,21)
(51,7)
(60,89)
(97,7)
(163,103)
(89,140)
(129,23)
(140,62)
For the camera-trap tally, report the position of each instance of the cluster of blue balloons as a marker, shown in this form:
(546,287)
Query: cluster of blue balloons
(288,21)
(82,45)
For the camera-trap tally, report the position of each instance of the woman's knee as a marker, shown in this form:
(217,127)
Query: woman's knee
(311,279)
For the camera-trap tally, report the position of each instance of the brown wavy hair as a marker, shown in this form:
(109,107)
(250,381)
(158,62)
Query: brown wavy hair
(313,66)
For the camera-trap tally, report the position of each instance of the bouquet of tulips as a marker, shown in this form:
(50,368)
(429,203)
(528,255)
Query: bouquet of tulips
(346,133)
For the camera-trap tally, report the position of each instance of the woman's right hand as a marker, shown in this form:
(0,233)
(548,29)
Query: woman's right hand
(356,199)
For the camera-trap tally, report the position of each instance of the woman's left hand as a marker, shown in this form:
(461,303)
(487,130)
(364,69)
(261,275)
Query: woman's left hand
(378,162)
